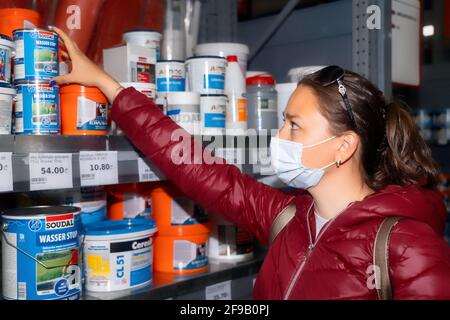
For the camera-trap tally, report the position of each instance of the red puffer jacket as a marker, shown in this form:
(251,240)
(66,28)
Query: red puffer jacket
(337,264)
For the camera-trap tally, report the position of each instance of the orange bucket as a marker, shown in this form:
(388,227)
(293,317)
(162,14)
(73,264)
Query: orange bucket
(128,201)
(181,255)
(84,110)
(174,213)
(13,18)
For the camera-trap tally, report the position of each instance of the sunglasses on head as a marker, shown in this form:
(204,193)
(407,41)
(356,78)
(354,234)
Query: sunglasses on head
(330,75)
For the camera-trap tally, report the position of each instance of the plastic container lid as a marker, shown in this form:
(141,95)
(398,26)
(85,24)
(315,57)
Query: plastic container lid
(7,90)
(182,98)
(142,31)
(261,80)
(168,61)
(76,88)
(116,227)
(205,57)
(41,211)
(232,59)
(222,47)
(19,12)
(6,41)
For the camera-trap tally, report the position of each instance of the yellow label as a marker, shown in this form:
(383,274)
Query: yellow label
(98,266)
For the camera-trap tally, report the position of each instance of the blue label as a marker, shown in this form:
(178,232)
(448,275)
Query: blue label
(214,81)
(55,274)
(40,61)
(173,112)
(170,84)
(5,65)
(141,276)
(99,123)
(40,112)
(214,120)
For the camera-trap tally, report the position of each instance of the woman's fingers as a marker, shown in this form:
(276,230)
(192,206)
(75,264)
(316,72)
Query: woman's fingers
(66,79)
(68,43)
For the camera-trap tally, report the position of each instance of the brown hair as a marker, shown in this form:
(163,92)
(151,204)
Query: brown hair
(392,149)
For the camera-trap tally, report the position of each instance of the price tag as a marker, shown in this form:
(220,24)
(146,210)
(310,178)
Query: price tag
(98,168)
(220,291)
(50,171)
(146,174)
(6,177)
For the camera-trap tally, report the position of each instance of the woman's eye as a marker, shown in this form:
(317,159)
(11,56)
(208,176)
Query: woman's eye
(294,126)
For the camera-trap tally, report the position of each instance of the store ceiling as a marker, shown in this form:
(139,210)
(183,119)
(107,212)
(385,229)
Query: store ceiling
(251,9)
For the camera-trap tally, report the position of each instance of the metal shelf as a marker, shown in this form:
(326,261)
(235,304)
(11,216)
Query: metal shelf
(167,286)
(128,171)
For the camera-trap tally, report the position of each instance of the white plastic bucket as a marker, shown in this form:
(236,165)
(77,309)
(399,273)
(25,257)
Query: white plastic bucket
(206,74)
(144,38)
(213,114)
(149,89)
(6,52)
(225,49)
(118,255)
(228,242)
(184,109)
(170,76)
(6,108)
(284,90)
(297,74)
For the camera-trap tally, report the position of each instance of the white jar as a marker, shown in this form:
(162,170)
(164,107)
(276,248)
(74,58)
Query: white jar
(213,113)
(206,74)
(184,109)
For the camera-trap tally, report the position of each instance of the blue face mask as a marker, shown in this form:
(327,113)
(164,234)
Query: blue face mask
(286,159)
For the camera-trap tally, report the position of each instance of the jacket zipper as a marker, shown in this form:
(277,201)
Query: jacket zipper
(309,251)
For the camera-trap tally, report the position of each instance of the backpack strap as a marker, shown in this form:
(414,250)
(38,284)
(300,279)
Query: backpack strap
(381,258)
(283,218)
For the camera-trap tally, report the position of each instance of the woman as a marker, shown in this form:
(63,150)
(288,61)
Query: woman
(374,165)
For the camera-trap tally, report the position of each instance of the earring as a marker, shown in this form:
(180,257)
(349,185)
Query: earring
(338,163)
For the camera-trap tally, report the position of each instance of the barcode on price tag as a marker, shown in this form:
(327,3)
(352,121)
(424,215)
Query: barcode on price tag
(146,174)
(98,168)
(50,171)
(220,291)
(6,177)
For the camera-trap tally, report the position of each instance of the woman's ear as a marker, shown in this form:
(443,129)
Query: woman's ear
(349,143)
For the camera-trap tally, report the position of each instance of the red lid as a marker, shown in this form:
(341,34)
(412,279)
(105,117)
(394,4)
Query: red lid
(261,80)
(232,59)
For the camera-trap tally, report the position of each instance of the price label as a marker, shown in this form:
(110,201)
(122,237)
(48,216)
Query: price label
(220,291)
(146,174)
(98,168)
(6,177)
(50,171)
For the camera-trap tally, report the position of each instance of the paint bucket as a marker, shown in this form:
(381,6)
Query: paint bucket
(184,109)
(181,254)
(170,76)
(36,55)
(284,90)
(145,38)
(213,114)
(225,49)
(6,52)
(173,212)
(40,251)
(37,109)
(17,18)
(206,74)
(92,202)
(118,255)
(128,201)
(6,109)
(229,242)
(84,111)
(297,74)
(149,89)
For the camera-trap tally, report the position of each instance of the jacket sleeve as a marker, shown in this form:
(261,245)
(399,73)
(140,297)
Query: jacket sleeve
(420,262)
(209,181)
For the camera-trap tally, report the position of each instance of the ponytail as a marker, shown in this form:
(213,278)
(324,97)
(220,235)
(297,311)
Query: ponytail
(406,158)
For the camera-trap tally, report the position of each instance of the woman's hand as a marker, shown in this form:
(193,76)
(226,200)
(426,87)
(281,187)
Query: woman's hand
(84,71)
